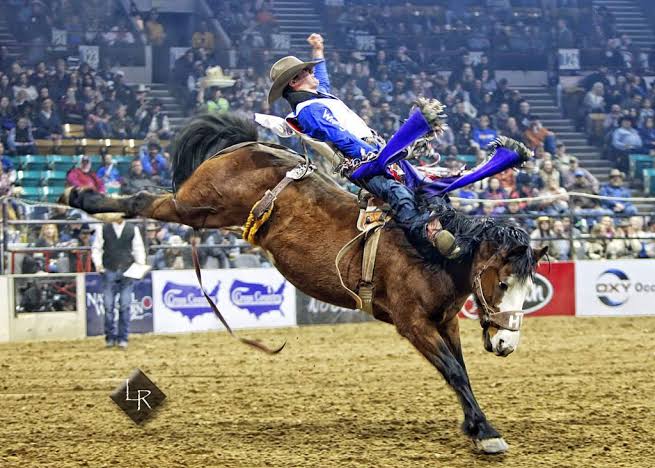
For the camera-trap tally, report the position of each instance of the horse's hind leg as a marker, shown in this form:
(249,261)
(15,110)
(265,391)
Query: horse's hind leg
(183,209)
(425,336)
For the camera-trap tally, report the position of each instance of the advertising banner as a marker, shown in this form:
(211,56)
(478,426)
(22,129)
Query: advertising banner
(312,311)
(553,292)
(615,288)
(247,298)
(140,309)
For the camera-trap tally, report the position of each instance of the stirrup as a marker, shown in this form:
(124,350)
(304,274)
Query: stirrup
(445,243)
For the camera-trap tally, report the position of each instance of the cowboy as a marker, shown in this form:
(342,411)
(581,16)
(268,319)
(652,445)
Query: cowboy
(324,117)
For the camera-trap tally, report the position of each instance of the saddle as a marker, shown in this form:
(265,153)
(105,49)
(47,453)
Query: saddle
(372,217)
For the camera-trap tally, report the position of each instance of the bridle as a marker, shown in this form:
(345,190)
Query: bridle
(506,320)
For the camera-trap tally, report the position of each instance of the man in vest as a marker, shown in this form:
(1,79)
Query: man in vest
(324,117)
(115,248)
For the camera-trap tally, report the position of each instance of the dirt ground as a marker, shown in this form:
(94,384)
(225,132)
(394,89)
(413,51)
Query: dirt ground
(577,393)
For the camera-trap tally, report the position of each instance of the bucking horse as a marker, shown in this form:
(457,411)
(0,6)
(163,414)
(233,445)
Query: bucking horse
(222,172)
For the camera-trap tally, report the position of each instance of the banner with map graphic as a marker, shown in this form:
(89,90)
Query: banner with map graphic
(247,298)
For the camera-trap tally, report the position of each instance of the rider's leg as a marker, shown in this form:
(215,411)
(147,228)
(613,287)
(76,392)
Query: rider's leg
(406,213)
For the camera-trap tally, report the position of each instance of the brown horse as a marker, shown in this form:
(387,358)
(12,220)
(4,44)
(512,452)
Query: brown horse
(313,218)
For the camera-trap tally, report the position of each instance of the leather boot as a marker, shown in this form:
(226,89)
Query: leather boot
(442,240)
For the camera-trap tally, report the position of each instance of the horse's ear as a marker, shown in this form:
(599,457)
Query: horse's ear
(517,251)
(540,253)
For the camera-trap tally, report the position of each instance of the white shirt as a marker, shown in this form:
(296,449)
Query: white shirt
(138,249)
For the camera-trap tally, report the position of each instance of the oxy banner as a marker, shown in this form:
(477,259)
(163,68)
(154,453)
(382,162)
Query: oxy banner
(247,298)
(311,311)
(615,288)
(140,308)
(553,292)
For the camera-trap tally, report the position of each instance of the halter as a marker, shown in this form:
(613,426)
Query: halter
(507,320)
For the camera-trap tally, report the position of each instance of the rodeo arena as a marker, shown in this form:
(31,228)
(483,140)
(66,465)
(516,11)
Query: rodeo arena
(327,233)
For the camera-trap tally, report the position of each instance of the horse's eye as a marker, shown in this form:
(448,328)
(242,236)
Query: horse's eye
(502,285)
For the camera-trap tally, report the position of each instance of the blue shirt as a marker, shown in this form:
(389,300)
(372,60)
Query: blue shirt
(611,191)
(484,137)
(111,175)
(318,121)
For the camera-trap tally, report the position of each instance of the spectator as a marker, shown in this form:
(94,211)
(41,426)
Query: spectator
(155,30)
(501,118)
(155,165)
(625,140)
(48,123)
(464,140)
(596,247)
(108,172)
(647,134)
(175,257)
(97,123)
(121,125)
(582,204)
(549,174)
(513,131)
(217,104)
(83,177)
(159,123)
(21,139)
(594,100)
(573,172)
(625,245)
(537,135)
(543,236)
(137,180)
(616,189)
(203,38)
(483,135)
(7,164)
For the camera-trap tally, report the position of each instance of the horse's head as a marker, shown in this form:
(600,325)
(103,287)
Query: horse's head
(501,279)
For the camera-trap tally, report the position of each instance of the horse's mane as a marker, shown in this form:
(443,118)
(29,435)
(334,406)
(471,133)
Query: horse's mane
(472,231)
(205,135)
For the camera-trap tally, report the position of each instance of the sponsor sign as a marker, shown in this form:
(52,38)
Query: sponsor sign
(569,59)
(312,311)
(140,308)
(247,298)
(553,292)
(615,288)
(90,55)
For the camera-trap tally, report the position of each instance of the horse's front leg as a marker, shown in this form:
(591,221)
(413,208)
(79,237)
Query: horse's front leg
(425,336)
(475,423)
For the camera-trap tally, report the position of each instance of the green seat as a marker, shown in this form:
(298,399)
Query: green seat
(51,176)
(468,159)
(32,162)
(649,181)
(639,162)
(31,192)
(27,177)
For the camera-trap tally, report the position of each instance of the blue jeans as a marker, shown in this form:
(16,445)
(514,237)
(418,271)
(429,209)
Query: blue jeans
(403,205)
(114,282)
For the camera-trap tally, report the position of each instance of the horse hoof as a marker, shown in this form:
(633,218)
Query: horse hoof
(492,446)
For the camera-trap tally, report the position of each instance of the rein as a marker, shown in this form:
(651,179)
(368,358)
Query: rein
(507,320)
(259,214)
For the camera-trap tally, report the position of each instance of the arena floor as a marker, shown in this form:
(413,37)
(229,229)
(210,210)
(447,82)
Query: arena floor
(579,392)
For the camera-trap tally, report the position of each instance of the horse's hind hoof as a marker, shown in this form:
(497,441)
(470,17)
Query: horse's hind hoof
(492,446)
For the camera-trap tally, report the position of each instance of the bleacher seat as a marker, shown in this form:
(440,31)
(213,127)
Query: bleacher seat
(649,181)
(468,159)
(639,162)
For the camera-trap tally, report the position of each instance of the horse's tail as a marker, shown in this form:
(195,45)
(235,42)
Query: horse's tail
(205,135)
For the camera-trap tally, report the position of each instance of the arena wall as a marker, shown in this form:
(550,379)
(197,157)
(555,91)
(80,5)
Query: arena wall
(171,301)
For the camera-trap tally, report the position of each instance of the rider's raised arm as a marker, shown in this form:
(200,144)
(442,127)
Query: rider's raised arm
(318,122)
(320,70)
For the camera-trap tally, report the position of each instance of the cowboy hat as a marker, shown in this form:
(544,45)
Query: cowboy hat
(283,71)
(216,78)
